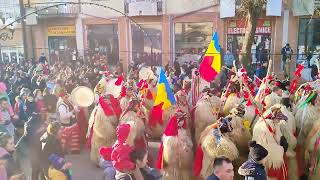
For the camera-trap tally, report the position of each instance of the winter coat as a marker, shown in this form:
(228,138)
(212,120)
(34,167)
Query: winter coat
(121,157)
(50,145)
(109,172)
(124,176)
(213,177)
(55,174)
(3,171)
(11,166)
(252,171)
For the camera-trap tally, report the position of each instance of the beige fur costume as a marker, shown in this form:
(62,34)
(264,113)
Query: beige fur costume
(104,132)
(206,112)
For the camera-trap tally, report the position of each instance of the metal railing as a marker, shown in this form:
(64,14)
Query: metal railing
(66,10)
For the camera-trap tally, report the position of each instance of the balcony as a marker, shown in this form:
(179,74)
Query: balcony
(69,10)
(143,7)
(317,4)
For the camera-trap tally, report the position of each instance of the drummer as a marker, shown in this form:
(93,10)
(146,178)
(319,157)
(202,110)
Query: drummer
(69,132)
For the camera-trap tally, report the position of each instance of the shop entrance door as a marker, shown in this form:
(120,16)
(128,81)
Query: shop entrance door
(61,48)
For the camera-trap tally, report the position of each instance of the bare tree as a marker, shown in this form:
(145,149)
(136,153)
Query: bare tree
(251,10)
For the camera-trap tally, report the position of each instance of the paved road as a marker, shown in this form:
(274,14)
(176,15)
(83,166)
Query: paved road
(84,169)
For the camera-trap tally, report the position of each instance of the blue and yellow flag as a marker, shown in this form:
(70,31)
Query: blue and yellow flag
(164,99)
(164,92)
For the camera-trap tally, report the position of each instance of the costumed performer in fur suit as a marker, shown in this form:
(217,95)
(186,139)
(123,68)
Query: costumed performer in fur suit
(311,154)
(131,116)
(176,151)
(206,112)
(102,125)
(213,143)
(267,133)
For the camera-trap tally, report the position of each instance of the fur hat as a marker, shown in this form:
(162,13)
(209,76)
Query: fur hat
(105,152)
(257,152)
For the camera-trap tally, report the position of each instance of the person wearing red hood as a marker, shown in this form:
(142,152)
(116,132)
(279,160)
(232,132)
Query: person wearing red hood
(120,156)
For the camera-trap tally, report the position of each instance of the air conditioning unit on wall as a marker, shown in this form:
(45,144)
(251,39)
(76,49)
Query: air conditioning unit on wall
(144,8)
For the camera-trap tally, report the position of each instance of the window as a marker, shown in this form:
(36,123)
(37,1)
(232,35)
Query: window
(9,9)
(191,39)
(147,45)
(103,39)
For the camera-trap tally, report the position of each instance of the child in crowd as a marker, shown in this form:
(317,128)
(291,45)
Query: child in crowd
(38,98)
(59,169)
(140,157)
(253,169)
(109,172)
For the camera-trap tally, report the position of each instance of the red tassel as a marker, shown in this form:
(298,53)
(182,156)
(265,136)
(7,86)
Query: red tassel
(293,86)
(197,166)
(149,95)
(159,164)
(156,115)
(278,84)
(257,112)
(123,92)
(104,67)
(249,103)
(140,83)
(245,94)
(258,83)
(119,80)
(267,91)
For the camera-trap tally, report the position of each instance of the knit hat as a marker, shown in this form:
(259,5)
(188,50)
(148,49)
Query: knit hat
(123,131)
(257,152)
(105,152)
(56,161)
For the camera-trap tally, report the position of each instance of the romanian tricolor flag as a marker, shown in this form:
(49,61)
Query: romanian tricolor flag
(164,99)
(210,66)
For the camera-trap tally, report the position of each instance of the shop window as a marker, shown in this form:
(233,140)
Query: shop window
(147,44)
(191,39)
(103,41)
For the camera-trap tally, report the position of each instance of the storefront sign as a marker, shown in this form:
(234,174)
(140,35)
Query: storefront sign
(239,27)
(62,31)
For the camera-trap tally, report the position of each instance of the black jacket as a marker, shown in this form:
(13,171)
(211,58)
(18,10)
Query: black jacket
(50,145)
(251,169)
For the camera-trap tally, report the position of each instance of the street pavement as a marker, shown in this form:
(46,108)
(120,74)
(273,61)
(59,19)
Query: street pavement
(84,169)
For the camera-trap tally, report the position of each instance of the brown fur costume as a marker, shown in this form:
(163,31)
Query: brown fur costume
(310,147)
(211,150)
(178,156)
(104,132)
(157,131)
(136,123)
(206,112)
(231,102)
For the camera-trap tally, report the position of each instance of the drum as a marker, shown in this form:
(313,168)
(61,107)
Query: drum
(82,96)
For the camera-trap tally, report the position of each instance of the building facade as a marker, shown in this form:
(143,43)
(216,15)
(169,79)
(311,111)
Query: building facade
(158,32)
(11,46)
